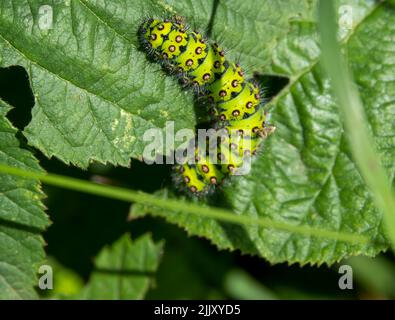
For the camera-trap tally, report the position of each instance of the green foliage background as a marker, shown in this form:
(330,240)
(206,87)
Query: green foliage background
(83,94)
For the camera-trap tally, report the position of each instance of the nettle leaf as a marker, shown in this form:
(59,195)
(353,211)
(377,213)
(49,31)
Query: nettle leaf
(305,174)
(22,218)
(124,270)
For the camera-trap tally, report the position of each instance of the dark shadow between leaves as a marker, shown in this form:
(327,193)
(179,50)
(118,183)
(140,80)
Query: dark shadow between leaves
(212,17)
(272,85)
(15,90)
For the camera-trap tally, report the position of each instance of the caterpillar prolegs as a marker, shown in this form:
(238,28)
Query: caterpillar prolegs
(235,103)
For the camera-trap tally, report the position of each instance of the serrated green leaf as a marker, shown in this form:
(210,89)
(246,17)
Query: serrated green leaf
(305,174)
(124,270)
(95,93)
(22,218)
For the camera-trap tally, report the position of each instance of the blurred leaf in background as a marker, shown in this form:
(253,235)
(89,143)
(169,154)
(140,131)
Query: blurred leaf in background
(124,271)
(240,285)
(66,282)
(376,277)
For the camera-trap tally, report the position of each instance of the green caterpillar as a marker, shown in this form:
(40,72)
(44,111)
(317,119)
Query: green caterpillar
(235,103)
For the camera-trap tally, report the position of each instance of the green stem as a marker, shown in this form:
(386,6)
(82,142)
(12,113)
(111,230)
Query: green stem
(177,205)
(362,144)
